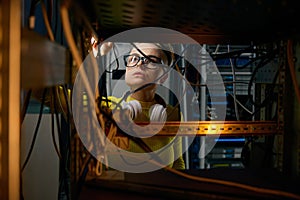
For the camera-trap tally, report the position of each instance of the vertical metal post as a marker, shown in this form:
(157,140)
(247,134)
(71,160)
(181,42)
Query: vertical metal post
(185,113)
(202,106)
(297,115)
(289,122)
(10,50)
(279,139)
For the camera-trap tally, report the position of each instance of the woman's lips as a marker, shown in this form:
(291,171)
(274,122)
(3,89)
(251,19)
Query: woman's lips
(138,74)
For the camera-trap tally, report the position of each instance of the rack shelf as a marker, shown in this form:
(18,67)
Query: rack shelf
(204,128)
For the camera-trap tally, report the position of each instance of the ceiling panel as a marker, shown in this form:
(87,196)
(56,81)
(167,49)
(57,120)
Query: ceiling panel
(236,19)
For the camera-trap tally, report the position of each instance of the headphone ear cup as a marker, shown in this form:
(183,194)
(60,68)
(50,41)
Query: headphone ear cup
(158,113)
(134,108)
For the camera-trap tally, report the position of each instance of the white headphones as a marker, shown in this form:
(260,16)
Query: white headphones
(157,112)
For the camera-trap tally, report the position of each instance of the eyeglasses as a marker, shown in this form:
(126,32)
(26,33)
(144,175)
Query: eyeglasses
(152,62)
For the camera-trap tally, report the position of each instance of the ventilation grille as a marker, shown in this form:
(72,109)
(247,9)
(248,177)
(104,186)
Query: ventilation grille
(198,17)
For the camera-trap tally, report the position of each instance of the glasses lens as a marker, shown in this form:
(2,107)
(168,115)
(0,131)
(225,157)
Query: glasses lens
(154,62)
(131,60)
(151,61)
(154,59)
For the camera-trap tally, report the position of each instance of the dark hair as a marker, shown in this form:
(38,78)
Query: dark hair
(168,51)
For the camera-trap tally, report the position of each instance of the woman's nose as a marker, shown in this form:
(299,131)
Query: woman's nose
(140,64)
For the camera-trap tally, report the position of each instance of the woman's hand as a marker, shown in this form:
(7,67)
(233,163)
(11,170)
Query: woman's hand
(105,48)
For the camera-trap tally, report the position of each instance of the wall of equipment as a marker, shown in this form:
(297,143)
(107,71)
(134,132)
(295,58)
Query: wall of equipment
(255,49)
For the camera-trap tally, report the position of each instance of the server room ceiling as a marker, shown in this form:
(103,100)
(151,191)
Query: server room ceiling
(235,20)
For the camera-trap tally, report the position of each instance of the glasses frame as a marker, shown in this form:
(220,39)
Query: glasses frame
(143,59)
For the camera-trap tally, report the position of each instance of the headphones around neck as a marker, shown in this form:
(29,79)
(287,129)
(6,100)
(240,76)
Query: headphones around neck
(157,112)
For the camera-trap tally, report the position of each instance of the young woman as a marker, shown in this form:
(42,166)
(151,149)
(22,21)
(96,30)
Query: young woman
(146,65)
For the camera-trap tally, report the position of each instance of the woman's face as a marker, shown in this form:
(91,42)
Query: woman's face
(140,75)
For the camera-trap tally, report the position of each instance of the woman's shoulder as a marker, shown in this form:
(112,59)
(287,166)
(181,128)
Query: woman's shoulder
(174,113)
(110,101)
(114,98)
